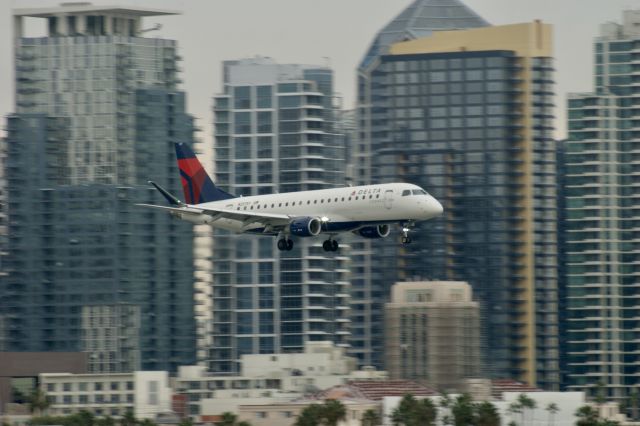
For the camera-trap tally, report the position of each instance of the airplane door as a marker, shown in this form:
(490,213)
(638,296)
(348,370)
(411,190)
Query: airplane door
(388,199)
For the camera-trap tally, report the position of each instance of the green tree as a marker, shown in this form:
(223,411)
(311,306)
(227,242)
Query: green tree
(106,421)
(38,402)
(371,418)
(147,422)
(587,416)
(462,411)
(413,412)
(445,403)
(228,419)
(311,415)
(332,412)
(552,409)
(186,422)
(486,414)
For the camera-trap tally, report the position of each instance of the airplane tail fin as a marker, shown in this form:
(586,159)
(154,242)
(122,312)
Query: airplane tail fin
(196,183)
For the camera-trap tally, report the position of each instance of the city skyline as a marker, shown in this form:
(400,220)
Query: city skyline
(336,45)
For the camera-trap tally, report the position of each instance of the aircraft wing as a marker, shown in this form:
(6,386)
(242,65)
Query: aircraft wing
(252,219)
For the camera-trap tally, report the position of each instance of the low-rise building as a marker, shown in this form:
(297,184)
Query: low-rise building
(145,393)
(270,379)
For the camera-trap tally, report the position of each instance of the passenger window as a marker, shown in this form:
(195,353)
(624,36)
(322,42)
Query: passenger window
(251,207)
(273,205)
(343,199)
(406,192)
(280,205)
(349,198)
(357,198)
(378,196)
(370,196)
(308,201)
(336,200)
(315,201)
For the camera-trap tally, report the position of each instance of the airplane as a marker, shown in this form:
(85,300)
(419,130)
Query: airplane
(367,211)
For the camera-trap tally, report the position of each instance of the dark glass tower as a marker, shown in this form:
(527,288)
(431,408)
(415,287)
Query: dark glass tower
(469,119)
(96,118)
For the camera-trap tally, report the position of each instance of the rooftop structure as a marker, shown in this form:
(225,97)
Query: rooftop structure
(420,19)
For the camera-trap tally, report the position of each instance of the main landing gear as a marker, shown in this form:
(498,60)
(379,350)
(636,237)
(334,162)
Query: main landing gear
(330,245)
(285,244)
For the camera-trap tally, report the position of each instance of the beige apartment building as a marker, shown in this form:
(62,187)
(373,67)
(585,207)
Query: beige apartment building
(432,333)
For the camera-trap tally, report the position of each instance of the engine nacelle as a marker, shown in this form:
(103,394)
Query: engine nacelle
(198,219)
(305,226)
(380,231)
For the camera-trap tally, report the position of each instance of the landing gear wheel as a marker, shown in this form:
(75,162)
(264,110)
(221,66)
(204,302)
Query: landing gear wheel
(406,240)
(282,244)
(289,244)
(330,245)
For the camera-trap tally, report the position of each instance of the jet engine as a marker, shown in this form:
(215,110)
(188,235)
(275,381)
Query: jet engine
(380,231)
(305,226)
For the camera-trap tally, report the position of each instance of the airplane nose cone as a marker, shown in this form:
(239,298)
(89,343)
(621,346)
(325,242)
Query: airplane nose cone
(434,208)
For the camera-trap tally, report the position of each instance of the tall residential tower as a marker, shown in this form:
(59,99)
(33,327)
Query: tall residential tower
(275,131)
(602,216)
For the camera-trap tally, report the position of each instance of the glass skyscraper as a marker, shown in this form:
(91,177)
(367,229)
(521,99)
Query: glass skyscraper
(601,217)
(420,19)
(468,116)
(97,114)
(275,131)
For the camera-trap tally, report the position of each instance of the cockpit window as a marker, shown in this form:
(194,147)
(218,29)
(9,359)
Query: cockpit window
(417,191)
(406,192)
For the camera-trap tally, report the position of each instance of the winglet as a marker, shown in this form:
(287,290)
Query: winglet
(170,198)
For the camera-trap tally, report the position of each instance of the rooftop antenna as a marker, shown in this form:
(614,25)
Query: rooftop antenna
(156,27)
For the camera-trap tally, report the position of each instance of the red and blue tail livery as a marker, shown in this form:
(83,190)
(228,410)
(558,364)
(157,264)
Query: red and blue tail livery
(197,185)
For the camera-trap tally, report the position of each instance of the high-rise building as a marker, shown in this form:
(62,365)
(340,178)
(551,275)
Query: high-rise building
(275,132)
(432,334)
(602,198)
(97,114)
(468,116)
(420,19)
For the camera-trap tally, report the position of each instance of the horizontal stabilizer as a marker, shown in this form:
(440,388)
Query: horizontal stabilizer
(170,198)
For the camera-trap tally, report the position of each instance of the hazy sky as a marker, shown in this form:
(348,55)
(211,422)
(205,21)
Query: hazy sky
(335,32)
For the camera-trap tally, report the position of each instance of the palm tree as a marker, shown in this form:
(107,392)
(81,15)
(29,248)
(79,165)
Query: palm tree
(310,416)
(402,414)
(486,414)
(552,408)
(463,411)
(38,402)
(514,408)
(228,419)
(371,418)
(106,421)
(333,411)
(526,403)
(587,416)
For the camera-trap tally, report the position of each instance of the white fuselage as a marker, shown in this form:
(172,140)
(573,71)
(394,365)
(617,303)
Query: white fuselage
(342,209)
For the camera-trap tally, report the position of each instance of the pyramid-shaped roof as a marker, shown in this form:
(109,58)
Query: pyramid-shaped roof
(420,19)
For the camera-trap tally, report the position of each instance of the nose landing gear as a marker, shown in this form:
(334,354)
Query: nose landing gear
(406,239)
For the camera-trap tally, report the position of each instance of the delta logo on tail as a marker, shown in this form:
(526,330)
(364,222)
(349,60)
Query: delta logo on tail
(197,185)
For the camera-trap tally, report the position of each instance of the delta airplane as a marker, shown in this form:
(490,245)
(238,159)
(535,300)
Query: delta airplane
(367,211)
